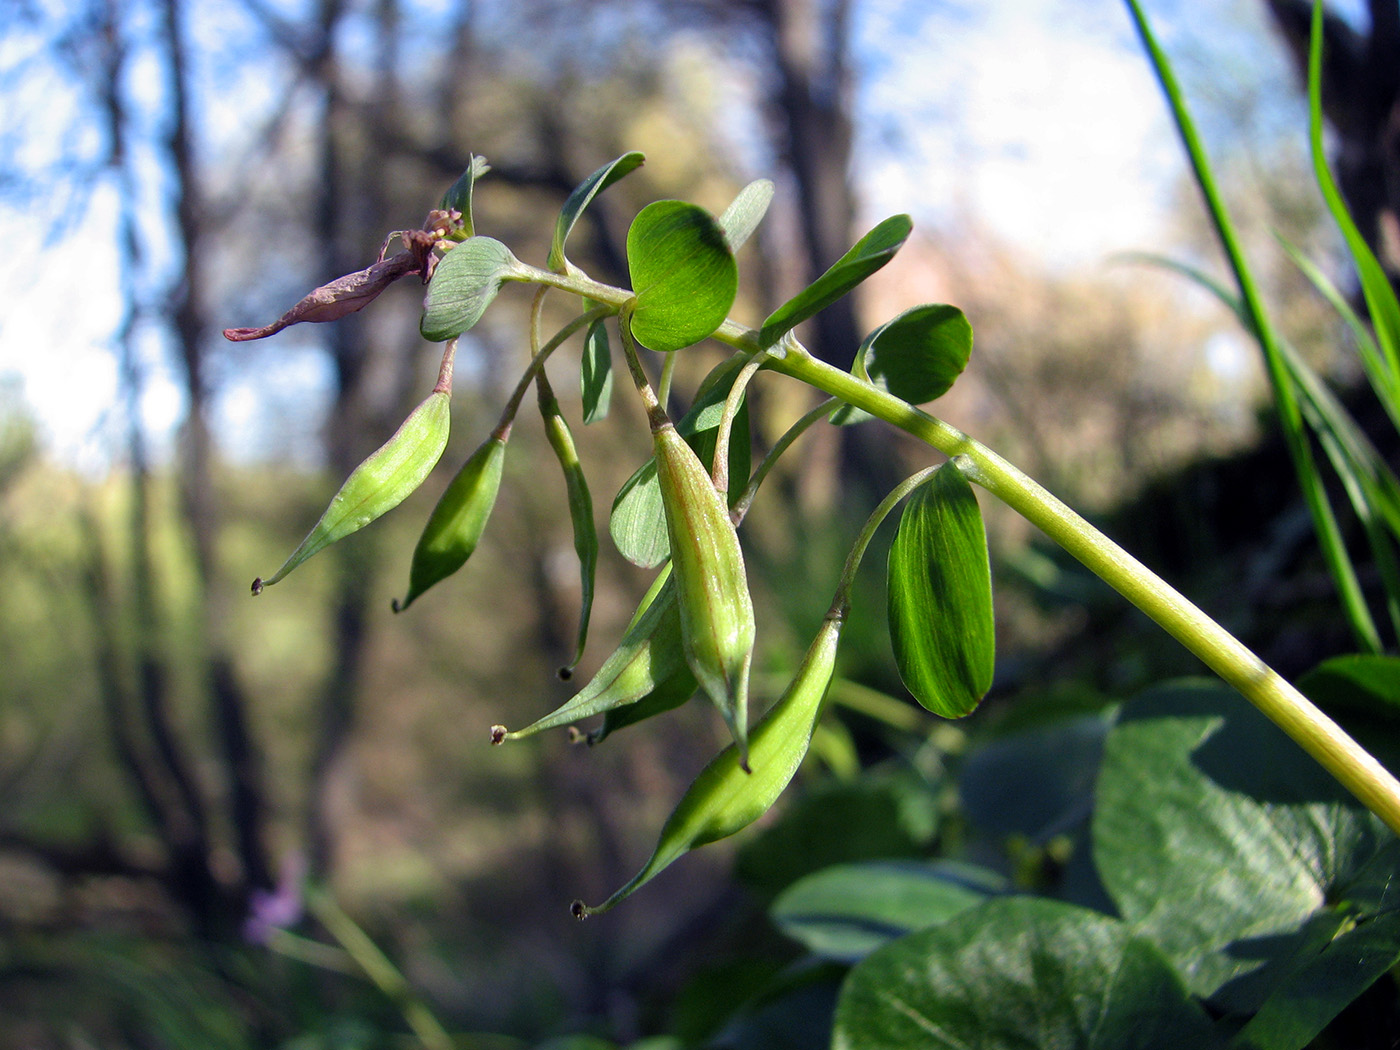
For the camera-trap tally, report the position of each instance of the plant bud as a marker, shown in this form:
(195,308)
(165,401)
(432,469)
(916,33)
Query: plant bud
(712,591)
(380,483)
(649,659)
(457,522)
(725,798)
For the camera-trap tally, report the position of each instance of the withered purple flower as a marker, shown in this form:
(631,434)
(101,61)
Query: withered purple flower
(355,291)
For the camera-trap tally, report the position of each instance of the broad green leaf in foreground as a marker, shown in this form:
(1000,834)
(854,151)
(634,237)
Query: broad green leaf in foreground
(1215,835)
(1317,989)
(463,286)
(1016,973)
(683,275)
(868,254)
(580,199)
(379,484)
(846,912)
(940,597)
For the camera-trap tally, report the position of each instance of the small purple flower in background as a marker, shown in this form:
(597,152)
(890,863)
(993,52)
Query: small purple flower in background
(279,908)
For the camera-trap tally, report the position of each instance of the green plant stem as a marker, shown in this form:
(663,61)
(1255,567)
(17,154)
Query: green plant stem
(537,361)
(1354,767)
(379,969)
(746,498)
(1317,734)
(719,469)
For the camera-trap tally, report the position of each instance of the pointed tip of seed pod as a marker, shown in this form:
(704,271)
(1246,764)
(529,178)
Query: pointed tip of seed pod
(257,587)
(580,911)
(565,673)
(744,765)
(498,734)
(594,737)
(576,735)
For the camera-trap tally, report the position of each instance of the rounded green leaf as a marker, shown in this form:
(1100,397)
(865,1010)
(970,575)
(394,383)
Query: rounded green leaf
(683,275)
(1016,973)
(940,597)
(580,199)
(917,355)
(868,254)
(464,284)
(847,911)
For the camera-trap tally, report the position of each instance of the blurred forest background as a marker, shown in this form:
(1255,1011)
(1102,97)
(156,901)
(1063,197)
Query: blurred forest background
(169,748)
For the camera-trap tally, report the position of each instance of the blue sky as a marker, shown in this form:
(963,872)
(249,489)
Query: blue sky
(1037,120)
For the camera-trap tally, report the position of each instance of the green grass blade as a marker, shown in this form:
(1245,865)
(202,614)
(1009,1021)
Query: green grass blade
(1285,396)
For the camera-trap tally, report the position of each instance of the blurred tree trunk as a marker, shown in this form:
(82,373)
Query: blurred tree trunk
(1361,100)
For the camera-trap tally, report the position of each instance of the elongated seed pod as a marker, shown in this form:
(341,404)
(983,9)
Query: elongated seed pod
(712,590)
(561,440)
(648,658)
(457,522)
(724,798)
(380,483)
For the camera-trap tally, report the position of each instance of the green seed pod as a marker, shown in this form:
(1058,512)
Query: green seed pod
(649,658)
(724,798)
(380,483)
(712,591)
(457,522)
(667,696)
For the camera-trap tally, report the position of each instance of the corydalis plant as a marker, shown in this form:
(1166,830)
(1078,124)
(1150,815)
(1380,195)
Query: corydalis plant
(694,631)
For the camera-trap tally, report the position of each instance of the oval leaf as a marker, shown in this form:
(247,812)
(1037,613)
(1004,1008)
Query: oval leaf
(580,199)
(940,597)
(867,255)
(463,285)
(379,484)
(847,911)
(595,373)
(917,355)
(745,212)
(683,274)
(1019,972)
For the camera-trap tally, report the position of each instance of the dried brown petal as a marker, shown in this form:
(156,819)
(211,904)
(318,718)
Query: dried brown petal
(343,296)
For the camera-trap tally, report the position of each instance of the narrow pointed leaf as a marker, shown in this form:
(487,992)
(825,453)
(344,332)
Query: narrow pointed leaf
(868,254)
(940,597)
(379,484)
(457,522)
(683,274)
(459,195)
(580,199)
(745,212)
(724,798)
(561,440)
(463,286)
(595,373)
